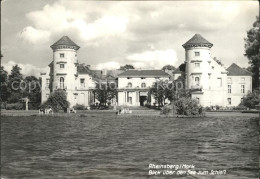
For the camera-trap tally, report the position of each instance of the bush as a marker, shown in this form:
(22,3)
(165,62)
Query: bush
(240,108)
(167,109)
(14,106)
(252,99)
(79,107)
(33,106)
(3,105)
(187,106)
(93,106)
(57,101)
(207,108)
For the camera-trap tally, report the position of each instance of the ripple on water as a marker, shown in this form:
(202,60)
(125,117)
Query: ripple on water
(118,147)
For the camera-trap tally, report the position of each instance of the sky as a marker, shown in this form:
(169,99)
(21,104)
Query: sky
(146,34)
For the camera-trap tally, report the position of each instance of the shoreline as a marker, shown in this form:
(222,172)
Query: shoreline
(93,113)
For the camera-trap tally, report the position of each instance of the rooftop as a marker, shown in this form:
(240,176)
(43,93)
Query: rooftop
(197,40)
(144,73)
(235,70)
(177,71)
(65,40)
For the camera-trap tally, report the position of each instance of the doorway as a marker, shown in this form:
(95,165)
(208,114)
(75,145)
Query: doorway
(143,99)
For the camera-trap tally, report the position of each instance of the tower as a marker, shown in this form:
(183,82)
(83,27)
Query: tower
(64,65)
(197,59)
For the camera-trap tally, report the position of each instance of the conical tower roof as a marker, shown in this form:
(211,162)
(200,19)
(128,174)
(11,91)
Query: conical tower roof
(65,42)
(197,41)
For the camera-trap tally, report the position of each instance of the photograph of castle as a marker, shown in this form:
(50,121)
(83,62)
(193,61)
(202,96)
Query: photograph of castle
(129,89)
(215,84)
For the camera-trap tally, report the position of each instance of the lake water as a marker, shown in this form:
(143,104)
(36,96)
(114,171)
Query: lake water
(123,147)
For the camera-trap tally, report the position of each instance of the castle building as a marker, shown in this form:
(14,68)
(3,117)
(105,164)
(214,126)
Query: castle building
(210,82)
(66,74)
(133,86)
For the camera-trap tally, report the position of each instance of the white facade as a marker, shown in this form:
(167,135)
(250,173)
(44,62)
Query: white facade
(211,84)
(63,75)
(237,88)
(208,78)
(133,90)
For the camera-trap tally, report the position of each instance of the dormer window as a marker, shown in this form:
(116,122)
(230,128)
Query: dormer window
(197,54)
(61,55)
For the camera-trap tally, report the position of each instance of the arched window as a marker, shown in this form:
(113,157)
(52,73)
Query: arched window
(143,85)
(129,85)
(197,81)
(61,82)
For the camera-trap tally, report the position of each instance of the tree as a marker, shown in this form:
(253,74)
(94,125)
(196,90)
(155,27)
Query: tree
(4,88)
(105,92)
(182,67)
(57,101)
(32,90)
(252,46)
(252,99)
(127,67)
(14,80)
(161,91)
(168,67)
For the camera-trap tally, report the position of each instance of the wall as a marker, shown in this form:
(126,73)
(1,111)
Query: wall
(236,82)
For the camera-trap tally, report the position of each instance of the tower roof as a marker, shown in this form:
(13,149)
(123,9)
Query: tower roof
(65,41)
(197,40)
(235,70)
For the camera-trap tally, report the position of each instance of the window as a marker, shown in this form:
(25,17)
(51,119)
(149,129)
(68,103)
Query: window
(229,88)
(197,65)
(242,88)
(129,100)
(198,100)
(242,79)
(229,80)
(61,65)
(229,101)
(197,54)
(61,82)
(82,82)
(129,85)
(61,55)
(143,85)
(142,78)
(47,96)
(219,82)
(212,67)
(47,82)
(242,100)
(197,81)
